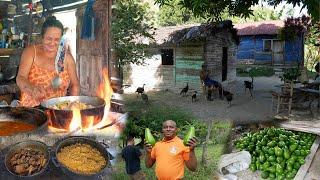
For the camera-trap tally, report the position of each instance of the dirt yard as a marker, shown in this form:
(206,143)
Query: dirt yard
(243,109)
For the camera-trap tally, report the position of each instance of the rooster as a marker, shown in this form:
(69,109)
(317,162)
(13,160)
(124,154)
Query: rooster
(248,85)
(229,96)
(140,90)
(184,90)
(194,96)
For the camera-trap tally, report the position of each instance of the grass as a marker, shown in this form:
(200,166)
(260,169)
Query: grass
(257,71)
(202,173)
(153,114)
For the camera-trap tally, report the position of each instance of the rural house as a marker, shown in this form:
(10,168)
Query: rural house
(259,44)
(180,51)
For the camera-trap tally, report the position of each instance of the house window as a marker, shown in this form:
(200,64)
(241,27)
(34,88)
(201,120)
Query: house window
(167,56)
(267,45)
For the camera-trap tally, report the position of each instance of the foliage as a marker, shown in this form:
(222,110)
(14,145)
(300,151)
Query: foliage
(130,22)
(312,43)
(294,27)
(291,74)
(202,173)
(181,15)
(152,116)
(214,9)
(255,71)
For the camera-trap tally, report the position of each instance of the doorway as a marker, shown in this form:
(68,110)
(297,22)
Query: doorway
(224,63)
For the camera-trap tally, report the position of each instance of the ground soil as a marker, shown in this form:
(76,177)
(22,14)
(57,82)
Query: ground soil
(243,109)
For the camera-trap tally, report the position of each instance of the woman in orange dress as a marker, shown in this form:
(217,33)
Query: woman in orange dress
(37,68)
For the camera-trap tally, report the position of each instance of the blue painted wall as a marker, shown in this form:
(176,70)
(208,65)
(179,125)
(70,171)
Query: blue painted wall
(251,47)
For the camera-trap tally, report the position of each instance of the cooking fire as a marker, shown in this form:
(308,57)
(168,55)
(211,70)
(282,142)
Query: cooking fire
(73,116)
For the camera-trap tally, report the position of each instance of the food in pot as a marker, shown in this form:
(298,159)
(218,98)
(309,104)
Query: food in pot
(71,105)
(27,161)
(9,128)
(82,158)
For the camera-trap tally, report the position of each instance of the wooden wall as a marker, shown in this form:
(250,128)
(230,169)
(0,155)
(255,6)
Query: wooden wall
(188,61)
(92,56)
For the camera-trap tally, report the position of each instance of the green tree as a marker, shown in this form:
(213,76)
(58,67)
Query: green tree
(214,9)
(130,29)
(180,15)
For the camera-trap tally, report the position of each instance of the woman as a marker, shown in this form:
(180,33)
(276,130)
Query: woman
(37,68)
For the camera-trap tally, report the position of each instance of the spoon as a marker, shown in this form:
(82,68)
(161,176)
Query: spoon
(56,82)
(58,63)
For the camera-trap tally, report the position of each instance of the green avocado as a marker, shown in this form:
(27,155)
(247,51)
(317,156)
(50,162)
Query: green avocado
(148,137)
(190,135)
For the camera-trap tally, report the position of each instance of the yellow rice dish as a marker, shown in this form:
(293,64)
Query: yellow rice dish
(71,105)
(82,158)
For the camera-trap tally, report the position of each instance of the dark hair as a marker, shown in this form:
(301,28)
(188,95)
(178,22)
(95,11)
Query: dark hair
(51,22)
(130,137)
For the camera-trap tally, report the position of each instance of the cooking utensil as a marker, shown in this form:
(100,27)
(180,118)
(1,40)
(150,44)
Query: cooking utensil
(37,145)
(101,147)
(26,115)
(59,63)
(62,118)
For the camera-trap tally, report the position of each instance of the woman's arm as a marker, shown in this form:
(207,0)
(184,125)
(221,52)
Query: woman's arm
(23,73)
(74,81)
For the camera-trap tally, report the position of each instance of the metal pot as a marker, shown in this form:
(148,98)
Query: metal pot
(62,118)
(101,147)
(27,115)
(27,144)
(10,73)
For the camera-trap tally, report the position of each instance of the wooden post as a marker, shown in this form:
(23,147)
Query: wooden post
(205,147)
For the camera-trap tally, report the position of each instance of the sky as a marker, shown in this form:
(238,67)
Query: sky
(296,12)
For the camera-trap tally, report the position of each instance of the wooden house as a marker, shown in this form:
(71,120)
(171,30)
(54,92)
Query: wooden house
(259,44)
(180,51)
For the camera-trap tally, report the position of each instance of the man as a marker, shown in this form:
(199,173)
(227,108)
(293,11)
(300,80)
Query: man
(170,155)
(208,82)
(131,155)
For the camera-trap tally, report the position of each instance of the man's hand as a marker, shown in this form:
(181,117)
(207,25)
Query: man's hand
(192,143)
(148,160)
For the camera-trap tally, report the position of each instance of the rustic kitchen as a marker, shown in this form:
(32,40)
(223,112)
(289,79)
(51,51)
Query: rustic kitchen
(61,137)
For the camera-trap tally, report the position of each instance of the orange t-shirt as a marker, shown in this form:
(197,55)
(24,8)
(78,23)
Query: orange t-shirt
(42,78)
(170,156)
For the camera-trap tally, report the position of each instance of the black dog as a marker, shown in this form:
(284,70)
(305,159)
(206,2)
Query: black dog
(228,95)
(248,85)
(194,96)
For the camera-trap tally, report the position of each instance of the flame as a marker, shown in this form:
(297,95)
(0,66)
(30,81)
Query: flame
(76,120)
(105,92)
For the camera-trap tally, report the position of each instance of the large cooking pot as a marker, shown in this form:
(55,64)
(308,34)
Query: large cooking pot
(36,145)
(27,115)
(62,118)
(101,147)
(9,73)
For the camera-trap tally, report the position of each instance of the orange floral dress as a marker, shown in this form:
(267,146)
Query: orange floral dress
(42,78)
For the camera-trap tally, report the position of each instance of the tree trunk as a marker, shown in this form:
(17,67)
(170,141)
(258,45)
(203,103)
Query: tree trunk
(204,161)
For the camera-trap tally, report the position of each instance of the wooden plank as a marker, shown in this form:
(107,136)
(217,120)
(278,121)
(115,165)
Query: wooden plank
(313,171)
(304,126)
(304,168)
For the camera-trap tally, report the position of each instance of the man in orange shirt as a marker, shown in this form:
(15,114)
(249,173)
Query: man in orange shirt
(170,154)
